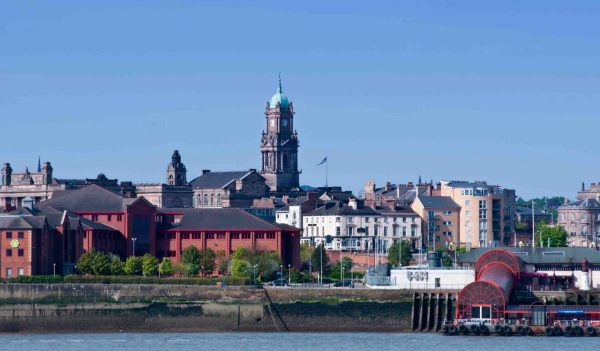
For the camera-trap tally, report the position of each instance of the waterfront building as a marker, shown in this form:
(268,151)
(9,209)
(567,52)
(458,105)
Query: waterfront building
(17,186)
(441,220)
(355,227)
(593,192)
(487,212)
(293,213)
(228,189)
(581,221)
(391,195)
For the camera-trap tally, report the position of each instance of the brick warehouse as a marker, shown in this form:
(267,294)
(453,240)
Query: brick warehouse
(54,233)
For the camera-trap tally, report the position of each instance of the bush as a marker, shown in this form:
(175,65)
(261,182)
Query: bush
(133,265)
(36,279)
(124,279)
(149,265)
(166,267)
(116,265)
(240,268)
(208,261)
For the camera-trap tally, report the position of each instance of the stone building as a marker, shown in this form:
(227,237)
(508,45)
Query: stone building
(176,192)
(17,186)
(228,189)
(581,220)
(279,145)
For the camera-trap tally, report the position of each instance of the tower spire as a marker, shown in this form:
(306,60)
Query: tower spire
(280,90)
(39,164)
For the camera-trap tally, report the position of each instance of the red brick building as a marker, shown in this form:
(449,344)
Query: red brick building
(55,233)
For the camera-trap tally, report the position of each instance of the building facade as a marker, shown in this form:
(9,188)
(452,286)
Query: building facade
(279,145)
(581,221)
(228,189)
(17,186)
(441,220)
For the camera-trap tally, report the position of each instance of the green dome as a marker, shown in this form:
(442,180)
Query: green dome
(279,98)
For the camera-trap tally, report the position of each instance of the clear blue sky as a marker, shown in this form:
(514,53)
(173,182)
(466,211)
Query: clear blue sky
(503,91)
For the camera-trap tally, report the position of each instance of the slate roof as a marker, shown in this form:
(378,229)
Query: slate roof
(585,203)
(337,208)
(212,180)
(91,198)
(438,202)
(21,222)
(221,219)
(538,256)
(398,210)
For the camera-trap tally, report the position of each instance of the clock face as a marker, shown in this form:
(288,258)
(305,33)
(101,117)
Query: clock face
(14,243)
(284,122)
(272,122)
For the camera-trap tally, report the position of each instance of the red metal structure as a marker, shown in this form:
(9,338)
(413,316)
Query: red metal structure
(496,274)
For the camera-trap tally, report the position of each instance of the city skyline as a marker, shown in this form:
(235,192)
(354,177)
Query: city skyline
(472,91)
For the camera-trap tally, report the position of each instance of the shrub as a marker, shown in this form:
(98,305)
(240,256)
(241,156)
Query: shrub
(240,268)
(166,267)
(36,279)
(116,265)
(133,265)
(208,261)
(149,265)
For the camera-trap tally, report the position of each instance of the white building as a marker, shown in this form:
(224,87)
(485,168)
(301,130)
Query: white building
(354,228)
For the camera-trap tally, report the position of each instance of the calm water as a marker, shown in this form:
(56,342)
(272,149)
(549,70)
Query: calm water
(286,341)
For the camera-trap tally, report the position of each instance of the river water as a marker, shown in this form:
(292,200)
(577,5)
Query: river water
(286,341)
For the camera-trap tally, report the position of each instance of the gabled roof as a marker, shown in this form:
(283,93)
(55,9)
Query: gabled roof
(438,202)
(220,219)
(22,222)
(87,224)
(91,198)
(337,208)
(211,180)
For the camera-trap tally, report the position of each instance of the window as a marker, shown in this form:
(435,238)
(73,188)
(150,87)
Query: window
(218,200)
(235,235)
(21,235)
(384,231)
(467,202)
(205,200)
(21,252)
(8,235)
(367,231)
(109,218)
(468,224)
(404,231)
(482,214)
(468,213)
(245,235)
(366,219)
(172,235)
(447,213)
(260,235)
(395,231)
(196,236)
(221,236)
(119,218)
(583,216)
(447,223)
(431,215)
(212,200)
(350,231)
(482,204)
(210,236)
(95,218)
(21,271)
(8,272)
(338,231)
(185,235)
(8,252)
(349,219)
(270,235)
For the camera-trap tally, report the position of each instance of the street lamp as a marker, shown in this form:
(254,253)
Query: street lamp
(54,269)
(133,240)
(290,273)
(281,271)
(254,274)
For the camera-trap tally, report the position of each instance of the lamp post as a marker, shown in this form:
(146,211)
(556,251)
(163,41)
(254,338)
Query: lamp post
(290,273)
(281,271)
(54,269)
(133,240)
(254,274)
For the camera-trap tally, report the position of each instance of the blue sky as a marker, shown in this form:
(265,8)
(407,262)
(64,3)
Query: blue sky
(389,90)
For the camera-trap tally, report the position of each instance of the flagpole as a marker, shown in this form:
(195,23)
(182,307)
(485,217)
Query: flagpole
(326,173)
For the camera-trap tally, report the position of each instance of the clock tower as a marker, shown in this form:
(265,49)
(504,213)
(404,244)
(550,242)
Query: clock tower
(279,145)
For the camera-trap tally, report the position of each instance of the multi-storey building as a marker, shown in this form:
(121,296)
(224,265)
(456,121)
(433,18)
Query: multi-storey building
(487,213)
(394,194)
(581,220)
(352,227)
(441,220)
(228,189)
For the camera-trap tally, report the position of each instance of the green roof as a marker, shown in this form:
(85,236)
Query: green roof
(279,98)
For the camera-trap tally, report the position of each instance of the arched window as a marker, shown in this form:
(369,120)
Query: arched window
(205,200)
(170,179)
(198,201)
(212,200)
(218,200)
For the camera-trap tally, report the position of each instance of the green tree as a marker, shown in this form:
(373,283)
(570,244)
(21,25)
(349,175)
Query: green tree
(84,264)
(306,252)
(149,265)
(224,263)
(405,252)
(319,253)
(100,264)
(116,265)
(556,235)
(240,268)
(166,267)
(208,261)
(133,265)
(180,268)
(192,270)
(336,270)
(190,254)
(241,253)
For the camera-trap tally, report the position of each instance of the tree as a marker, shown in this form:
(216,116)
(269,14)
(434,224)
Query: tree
(336,270)
(224,263)
(116,265)
(191,255)
(149,265)
(85,262)
(556,235)
(241,253)
(166,267)
(133,265)
(316,260)
(240,268)
(405,252)
(208,261)
(100,264)
(192,270)
(180,268)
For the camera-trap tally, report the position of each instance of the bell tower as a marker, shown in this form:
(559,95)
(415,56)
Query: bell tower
(279,145)
(176,172)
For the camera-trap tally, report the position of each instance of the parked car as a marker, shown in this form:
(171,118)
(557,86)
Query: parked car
(279,282)
(343,283)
